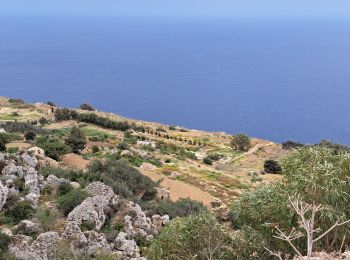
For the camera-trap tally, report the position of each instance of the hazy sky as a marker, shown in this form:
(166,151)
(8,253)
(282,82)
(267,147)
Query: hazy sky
(250,8)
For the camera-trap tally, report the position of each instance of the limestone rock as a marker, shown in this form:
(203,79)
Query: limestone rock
(55,181)
(37,152)
(13,170)
(126,247)
(23,247)
(162,194)
(48,162)
(125,152)
(100,189)
(29,160)
(148,167)
(27,227)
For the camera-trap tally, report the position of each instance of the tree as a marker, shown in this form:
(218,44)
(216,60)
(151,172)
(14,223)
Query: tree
(87,107)
(53,147)
(240,142)
(50,103)
(76,140)
(30,135)
(272,166)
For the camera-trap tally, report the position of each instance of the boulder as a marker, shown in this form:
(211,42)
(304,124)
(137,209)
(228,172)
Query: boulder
(27,227)
(3,195)
(13,170)
(148,167)
(162,194)
(47,162)
(55,181)
(100,189)
(126,247)
(125,152)
(23,247)
(75,185)
(37,152)
(29,160)
(158,222)
(174,175)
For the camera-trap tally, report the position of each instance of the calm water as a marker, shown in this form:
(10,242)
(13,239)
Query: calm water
(277,80)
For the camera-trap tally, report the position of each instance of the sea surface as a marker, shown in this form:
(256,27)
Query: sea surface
(278,79)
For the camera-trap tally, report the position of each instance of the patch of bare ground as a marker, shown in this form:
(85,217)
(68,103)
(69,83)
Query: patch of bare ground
(19,145)
(75,161)
(179,189)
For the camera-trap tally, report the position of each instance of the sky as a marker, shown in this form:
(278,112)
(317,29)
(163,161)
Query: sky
(224,8)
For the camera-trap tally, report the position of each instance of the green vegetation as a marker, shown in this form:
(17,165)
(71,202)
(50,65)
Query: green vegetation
(319,176)
(240,142)
(87,107)
(19,211)
(53,147)
(272,166)
(5,241)
(193,237)
(30,135)
(76,140)
(67,202)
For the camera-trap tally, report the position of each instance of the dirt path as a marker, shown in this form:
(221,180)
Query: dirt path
(179,189)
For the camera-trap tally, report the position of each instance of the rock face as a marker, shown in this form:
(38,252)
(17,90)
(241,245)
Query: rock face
(148,167)
(127,248)
(37,152)
(54,181)
(3,195)
(23,247)
(27,227)
(162,194)
(100,189)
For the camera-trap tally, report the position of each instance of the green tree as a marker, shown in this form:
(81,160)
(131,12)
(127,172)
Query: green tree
(30,135)
(76,140)
(240,142)
(194,237)
(2,145)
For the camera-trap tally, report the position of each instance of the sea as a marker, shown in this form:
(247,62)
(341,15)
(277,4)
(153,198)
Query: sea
(278,79)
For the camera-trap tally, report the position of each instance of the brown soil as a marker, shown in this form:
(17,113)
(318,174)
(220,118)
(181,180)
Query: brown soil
(179,189)
(19,145)
(75,161)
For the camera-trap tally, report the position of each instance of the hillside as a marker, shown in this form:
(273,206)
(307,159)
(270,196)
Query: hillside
(183,175)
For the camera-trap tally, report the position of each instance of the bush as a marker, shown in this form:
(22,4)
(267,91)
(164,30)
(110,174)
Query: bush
(76,140)
(65,114)
(193,237)
(50,103)
(180,208)
(207,160)
(288,145)
(64,188)
(318,175)
(2,145)
(272,166)
(70,200)
(53,147)
(95,149)
(5,241)
(105,122)
(21,127)
(240,142)
(30,135)
(87,107)
(20,211)
(43,121)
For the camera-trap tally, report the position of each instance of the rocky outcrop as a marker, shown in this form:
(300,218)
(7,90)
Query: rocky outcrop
(100,189)
(29,160)
(37,152)
(26,227)
(47,162)
(55,181)
(126,248)
(3,195)
(23,247)
(162,194)
(148,167)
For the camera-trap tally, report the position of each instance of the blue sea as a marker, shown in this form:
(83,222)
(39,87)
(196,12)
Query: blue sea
(277,79)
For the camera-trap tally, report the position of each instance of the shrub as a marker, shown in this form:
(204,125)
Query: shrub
(214,156)
(240,142)
(5,241)
(43,121)
(64,188)
(123,146)
(15,113)
(288,145)
(180,208)
(104,122)
(2,145)
(53,147)
(193,237)
(76,140)
(87,107)
(21,127)
(50,103)
(65,114)
(272,166)
(95,149)
(70,200)
(208,161)
(30,135)
(20,211)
